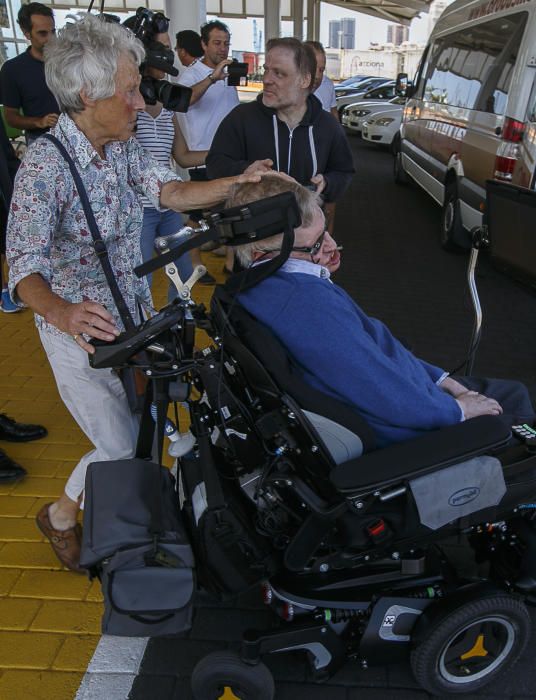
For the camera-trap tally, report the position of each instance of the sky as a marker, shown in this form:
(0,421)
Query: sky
(368,29)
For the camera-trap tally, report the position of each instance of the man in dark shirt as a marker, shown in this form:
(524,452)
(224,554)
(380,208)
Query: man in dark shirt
(22,79)
(10,430)
(188,47)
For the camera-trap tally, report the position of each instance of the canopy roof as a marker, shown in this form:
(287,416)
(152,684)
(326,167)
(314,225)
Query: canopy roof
(399,11)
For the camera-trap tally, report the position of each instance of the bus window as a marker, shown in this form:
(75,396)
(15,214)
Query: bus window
(472,68)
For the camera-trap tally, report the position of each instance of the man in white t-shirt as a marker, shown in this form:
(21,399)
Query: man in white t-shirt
(212,99)
(323,86)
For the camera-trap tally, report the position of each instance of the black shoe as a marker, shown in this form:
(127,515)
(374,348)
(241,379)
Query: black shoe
(19,432)
(9,470)
(207,279)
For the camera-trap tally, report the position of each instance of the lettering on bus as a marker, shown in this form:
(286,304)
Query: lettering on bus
(495,6)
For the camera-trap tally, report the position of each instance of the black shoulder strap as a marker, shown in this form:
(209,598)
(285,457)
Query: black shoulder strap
(98,243)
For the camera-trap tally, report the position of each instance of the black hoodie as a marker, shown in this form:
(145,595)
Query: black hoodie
(253,132)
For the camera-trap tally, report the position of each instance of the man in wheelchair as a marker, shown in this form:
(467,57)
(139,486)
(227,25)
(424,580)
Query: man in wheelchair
(343,352)
(424,548)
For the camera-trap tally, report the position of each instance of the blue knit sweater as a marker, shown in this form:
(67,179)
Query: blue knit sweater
(351,356)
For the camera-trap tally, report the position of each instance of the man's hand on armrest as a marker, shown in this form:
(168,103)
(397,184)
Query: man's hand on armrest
(474,404)
(471,402)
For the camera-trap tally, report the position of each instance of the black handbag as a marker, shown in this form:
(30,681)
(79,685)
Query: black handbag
(134,541)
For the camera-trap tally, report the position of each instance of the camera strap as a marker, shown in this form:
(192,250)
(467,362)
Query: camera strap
(98,243)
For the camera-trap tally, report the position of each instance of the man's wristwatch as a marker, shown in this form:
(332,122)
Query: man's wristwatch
(211,77)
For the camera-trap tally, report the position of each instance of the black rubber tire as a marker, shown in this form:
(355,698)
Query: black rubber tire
(223,669)
(452,234)
(399,174)
(436,672)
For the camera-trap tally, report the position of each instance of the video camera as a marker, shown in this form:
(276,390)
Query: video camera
(145,25)
(237,73)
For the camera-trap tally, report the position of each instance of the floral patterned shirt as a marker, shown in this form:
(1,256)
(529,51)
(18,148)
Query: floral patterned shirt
(47,230)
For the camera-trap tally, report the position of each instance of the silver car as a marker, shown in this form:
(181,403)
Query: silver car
(385,92)
(354,115)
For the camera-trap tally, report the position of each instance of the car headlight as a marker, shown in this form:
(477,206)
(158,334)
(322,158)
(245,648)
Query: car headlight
(361,112)
(384,121)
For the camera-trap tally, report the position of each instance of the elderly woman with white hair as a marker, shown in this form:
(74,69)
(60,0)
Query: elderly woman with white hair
(93,70)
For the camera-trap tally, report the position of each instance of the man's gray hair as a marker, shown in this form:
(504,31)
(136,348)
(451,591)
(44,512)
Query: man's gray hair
(270,185)
(84,56)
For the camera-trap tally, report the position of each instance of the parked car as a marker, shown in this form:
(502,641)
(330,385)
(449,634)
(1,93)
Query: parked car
(386,91)
(359,86)
(468,118)
(353,115)
(383,127)
(352,79)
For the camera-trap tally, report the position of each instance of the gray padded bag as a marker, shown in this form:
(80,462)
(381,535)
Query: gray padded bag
(462,489)
(134,541)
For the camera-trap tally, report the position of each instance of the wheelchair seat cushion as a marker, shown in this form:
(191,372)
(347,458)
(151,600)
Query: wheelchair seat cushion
(432,451)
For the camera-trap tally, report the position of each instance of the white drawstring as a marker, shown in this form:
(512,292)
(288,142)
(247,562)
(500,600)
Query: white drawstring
(313,150)
(276,141)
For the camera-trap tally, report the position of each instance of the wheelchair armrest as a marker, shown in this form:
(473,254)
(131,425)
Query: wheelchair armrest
(434,450)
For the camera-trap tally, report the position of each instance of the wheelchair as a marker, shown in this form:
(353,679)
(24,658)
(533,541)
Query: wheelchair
(423,550)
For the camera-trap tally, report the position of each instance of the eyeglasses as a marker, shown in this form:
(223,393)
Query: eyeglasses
(311,250)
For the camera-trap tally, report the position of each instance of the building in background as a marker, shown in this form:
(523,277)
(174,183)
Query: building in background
(383,60)
(342,33)
(258,46)
(435,11)
(397,34)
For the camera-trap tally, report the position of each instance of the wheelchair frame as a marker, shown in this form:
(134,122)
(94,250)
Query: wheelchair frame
(382,598)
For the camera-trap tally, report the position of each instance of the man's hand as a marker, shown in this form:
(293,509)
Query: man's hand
(474,404)
(320,182)
(48,121)
(452,387)
(219,73)
(88,318)
(260,166)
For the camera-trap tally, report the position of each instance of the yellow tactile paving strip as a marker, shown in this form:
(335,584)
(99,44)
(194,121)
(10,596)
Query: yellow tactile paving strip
(49,617)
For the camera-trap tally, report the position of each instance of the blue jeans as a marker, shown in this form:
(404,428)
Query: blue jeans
(162,223)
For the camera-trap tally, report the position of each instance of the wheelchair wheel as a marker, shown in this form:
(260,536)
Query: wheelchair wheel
(467,647)
(224,675)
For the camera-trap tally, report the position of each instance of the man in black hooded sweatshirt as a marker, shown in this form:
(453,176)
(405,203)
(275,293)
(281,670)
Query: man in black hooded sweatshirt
(285,129)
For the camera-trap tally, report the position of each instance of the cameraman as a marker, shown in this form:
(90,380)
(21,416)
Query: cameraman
(93,70)
(212,99)
(158,131)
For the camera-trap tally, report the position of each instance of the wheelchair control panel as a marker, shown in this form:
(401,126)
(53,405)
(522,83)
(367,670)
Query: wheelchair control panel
(119,351)
(526,434)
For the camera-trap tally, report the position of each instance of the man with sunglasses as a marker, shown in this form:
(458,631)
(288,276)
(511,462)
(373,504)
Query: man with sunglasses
(346,354)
